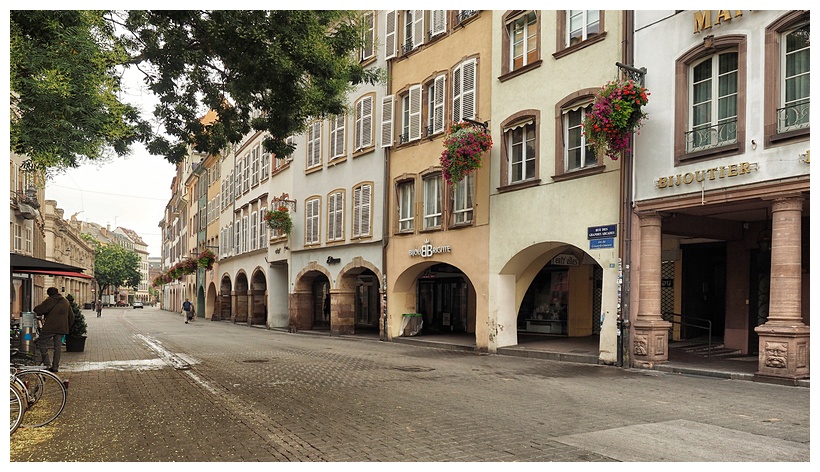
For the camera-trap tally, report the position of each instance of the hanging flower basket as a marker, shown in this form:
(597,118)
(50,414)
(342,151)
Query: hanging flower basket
(463,147)
(279,220)
(206,259)
(616,114)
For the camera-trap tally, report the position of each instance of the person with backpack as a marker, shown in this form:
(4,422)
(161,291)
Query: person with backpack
(58,319)
(188,310)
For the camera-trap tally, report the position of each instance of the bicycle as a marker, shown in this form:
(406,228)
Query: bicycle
(17,406)
(44,392)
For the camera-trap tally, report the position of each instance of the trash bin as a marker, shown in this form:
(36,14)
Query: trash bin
(411,324)
(28,331)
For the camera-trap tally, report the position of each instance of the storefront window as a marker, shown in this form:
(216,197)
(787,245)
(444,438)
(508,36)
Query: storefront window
(545,305)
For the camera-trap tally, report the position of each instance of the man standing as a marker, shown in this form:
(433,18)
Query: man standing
(58,318)
(99,308)
(187,310)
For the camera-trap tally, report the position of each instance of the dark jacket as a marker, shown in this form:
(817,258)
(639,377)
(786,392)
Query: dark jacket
(58,315)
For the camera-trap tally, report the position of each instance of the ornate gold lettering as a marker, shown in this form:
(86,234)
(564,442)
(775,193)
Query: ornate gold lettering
(700,175)
(744,168)
(677,180)
(703,20)
(732,170)
(723,15)
(662,182)
(711,173)
(688,178)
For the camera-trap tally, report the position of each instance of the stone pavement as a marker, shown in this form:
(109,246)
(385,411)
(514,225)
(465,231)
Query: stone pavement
(149,388)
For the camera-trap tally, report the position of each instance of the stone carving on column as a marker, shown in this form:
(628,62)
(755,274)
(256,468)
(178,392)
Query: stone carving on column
(650,330)
(784,338)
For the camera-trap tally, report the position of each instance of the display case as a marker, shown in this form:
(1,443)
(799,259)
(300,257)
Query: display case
(547,326)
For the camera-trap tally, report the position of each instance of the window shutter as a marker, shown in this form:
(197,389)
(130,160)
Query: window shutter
(357,211)
(364,229)
(439,21)
(390,35)
(370,33)
(387,121)
(359,125)
(438,105)
(457,94)
(468,89)
(418,28)
(367,122)
(415,112)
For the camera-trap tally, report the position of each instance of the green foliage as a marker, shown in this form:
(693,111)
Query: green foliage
(116,266)
(290,64)
(80,327)
(65,81)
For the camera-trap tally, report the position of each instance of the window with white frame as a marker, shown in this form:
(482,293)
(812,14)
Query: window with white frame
(406,201)
(438,20)
(581,25)
(368,49)
(18,238)
(464,91)
(335,216)
(364,123)
(521,151)
(265,168)
(243,242)
(523,38)
(713,102)
(246,173)
(279,163)
(435,104)
(312,208)
(432,201)
(337,136)
(413,28)
(255,166)
(263,228)
(411,114)
(237,179)
(314,144)
(795,75)
(463,200)
(578,153)
(361,210)
(253,235)
(237,227)
(390,34)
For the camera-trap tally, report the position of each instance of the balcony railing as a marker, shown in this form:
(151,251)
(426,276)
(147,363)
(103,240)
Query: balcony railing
(704,138)
(407,46)
(464,14)
(794,116)
(404,138)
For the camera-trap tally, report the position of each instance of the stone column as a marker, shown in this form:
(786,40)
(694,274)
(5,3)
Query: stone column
(784,338)
(649,331)
(234,306)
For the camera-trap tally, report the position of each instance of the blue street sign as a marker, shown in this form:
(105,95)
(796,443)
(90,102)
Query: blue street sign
(602,243)
(598,232)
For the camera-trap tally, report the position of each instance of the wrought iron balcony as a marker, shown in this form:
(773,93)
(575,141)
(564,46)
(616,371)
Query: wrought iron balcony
(407,46)
(704,138)
(794,116)
(404,138)
(464,14)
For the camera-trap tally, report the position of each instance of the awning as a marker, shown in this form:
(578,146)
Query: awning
(56,272)
(25,264)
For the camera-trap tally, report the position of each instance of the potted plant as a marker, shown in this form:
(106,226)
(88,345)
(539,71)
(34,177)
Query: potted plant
(206,259)
(279,220)
(463,147)
(616,113)
(77,332)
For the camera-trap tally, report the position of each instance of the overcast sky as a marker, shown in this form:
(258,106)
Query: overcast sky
(130,192)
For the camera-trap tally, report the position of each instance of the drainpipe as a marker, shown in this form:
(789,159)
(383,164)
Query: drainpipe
(385,223)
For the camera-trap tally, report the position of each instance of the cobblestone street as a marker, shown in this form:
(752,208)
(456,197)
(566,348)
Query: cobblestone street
(150,388)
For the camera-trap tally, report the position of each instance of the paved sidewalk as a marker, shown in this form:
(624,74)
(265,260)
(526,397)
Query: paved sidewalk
(150,388)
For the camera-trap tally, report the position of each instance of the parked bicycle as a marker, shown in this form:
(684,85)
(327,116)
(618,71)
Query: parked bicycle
(43,392)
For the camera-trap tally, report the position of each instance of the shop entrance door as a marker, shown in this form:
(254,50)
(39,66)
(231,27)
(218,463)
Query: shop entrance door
(704,288)
(321,303)
(443,304)
(367,301)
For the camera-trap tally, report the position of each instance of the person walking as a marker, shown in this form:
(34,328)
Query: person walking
(98,307)
(58,318)
(187,310)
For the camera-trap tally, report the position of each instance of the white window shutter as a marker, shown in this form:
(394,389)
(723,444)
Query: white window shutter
(415,112)
(439,21)
(390,35)
(366,190)
(418,28)
(358,138)
(387,121)
(367,122)
(340,135)
(468,89)
(438,103)
(457,94)
(357,211)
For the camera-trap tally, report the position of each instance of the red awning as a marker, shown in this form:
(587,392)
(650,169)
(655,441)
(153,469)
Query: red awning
(57,272)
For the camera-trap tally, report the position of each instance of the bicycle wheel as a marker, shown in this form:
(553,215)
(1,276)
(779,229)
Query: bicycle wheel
(17,407)
(46,395)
